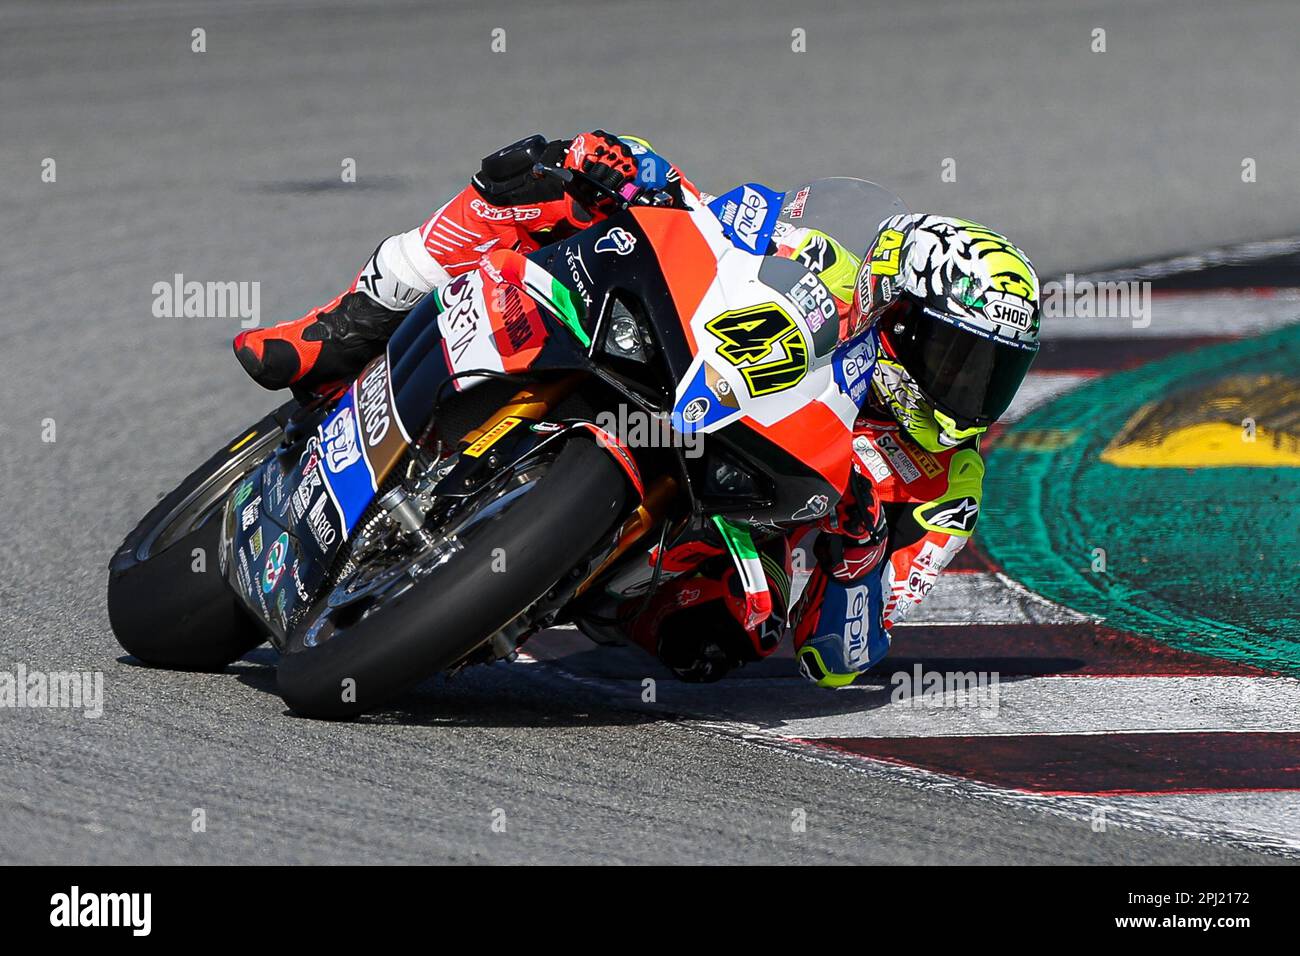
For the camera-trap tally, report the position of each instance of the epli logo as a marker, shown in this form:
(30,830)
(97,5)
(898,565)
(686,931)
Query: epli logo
(750,216)
(76,909)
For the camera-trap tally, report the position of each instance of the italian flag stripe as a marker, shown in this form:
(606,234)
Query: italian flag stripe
(556,296)
(758,600)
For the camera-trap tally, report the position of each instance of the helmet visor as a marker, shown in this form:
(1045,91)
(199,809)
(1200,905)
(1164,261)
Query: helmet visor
(969,373)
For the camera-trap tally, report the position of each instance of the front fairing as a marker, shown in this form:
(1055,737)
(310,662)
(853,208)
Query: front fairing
(287,522)
(282,533)
(748,343)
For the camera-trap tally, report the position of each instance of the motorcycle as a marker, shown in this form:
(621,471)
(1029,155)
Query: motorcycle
(467,490)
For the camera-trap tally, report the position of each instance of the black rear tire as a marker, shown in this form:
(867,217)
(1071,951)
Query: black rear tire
(163,611)
(439,620)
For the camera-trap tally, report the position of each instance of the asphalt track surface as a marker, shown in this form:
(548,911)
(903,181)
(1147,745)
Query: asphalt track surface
(225,166)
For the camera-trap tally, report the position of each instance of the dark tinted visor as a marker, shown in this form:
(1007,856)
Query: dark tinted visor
(968,373)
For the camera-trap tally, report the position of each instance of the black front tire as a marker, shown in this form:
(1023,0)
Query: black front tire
(163,611)
(439,620)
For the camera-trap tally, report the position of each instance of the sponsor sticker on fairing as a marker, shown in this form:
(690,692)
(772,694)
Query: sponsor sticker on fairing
(695,410)
(248,517)
(492,436)
(345,470)
(466,325)
(322,529)
(852,368)
(383,436)
(748,215)
(578,269)
(274,567)
(339,441)
(795,209)
(298,586)
(302,495)
(372,401)
(814,507)
(814,300)
(243,492)
(617,240)
(242,572)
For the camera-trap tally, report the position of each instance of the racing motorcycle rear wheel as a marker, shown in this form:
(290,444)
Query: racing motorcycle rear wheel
(168,603)
(384,628)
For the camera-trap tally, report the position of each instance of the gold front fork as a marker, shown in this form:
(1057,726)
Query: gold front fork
(649,513)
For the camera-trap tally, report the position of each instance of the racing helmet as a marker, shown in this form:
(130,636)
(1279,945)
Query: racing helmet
(955,311)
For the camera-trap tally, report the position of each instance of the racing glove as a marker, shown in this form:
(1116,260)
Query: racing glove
(855,534)
(606,159)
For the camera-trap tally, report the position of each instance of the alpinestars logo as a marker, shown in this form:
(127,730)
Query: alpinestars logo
(505,213)
(818,255)
(958,515)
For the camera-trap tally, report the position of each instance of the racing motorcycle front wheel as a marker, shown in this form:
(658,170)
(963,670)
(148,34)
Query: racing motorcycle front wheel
(168,603)
(388,625)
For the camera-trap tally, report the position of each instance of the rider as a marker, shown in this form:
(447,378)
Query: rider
(503,207)
(955,312)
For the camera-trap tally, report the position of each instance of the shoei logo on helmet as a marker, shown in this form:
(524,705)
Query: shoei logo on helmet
(1015,314)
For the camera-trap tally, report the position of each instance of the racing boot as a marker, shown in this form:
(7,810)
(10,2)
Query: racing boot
(322,348)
